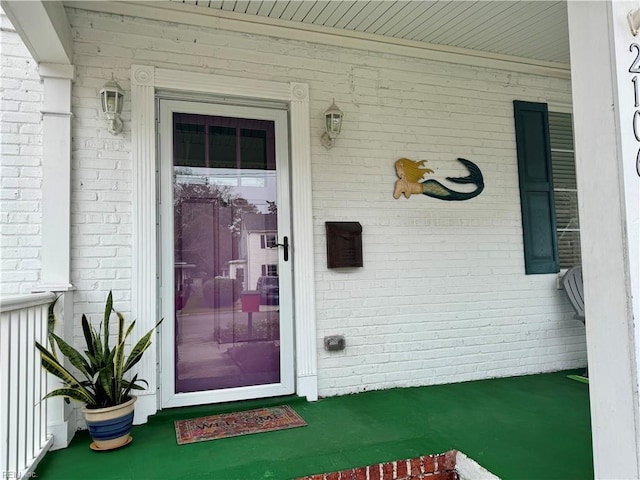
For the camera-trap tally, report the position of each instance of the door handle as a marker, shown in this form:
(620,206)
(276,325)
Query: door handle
(285,245)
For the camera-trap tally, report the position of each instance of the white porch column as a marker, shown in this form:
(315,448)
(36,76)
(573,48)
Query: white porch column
(56,223)
(56,176)
(606,103)
(61,418)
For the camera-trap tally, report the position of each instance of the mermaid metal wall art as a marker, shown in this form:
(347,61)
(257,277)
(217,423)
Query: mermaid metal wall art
(410,181)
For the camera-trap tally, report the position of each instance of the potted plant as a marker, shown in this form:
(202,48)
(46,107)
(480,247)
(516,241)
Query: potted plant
(107,395)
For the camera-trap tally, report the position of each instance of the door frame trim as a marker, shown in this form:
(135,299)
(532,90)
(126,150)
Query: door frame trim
(145,80)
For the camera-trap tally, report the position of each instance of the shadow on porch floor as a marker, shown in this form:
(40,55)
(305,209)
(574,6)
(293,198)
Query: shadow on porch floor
(533,427)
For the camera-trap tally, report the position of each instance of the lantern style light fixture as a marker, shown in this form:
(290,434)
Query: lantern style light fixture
(333,124)
(111,99)
(634,21)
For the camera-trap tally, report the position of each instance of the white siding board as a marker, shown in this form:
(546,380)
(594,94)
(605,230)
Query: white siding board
(451,34)
(315,11)
(398,21)
(353,12)
(482,24)
(326,13)
(385,17)
(302,11)
(228,5)
(253,7)
(341,9)
(290,10)
(490,27)
(278,7)
(528,22)
(426,14)
(458,14)
(241,6)
(370,15)
(494,28)
(551,52)
(266,7)
(532,42)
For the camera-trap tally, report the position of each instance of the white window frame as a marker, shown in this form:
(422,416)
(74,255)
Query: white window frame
(561,230)
(268,240)
(269,270)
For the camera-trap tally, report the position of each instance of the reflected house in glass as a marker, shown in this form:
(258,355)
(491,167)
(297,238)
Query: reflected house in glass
(236,269)
(258,236)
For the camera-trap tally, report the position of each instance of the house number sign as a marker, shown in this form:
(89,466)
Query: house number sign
(635,68)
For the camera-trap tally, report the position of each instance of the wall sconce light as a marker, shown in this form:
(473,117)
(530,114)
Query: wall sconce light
(333,124)
(634,21)
(111,96)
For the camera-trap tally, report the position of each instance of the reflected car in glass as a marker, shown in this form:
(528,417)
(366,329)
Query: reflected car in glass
(269,290)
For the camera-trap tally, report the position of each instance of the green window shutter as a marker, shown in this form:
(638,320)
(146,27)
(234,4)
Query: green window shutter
(536,187)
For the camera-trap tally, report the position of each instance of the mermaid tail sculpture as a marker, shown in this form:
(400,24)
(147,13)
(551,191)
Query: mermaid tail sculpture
(410,181)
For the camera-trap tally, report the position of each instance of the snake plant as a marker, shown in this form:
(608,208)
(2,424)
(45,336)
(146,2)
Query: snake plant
(102,366)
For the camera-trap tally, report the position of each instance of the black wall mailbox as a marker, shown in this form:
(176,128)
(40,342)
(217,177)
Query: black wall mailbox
(344,244)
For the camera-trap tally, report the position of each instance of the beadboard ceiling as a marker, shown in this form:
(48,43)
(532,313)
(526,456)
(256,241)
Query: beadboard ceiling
(530,29)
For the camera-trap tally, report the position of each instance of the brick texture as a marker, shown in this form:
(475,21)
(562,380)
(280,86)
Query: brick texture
(431,467)
(20,167)
(442,296)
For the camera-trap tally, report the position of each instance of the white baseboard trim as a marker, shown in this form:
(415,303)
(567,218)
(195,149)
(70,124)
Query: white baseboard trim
(63,432)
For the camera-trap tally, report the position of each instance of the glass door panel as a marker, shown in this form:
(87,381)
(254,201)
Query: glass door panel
(227,323)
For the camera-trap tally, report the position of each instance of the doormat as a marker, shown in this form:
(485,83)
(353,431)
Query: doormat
(235,424)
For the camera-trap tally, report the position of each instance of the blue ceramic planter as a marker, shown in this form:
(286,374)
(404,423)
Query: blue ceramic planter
(110,427)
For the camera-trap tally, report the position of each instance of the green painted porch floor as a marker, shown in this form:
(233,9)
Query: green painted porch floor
(532,427)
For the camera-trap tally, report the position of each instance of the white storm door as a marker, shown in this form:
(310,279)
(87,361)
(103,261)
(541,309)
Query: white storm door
(226,289)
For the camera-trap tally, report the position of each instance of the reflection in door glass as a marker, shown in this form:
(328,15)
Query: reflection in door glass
(227,291)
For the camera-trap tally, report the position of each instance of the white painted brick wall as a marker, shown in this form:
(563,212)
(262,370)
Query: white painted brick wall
(442,296)
(20,164)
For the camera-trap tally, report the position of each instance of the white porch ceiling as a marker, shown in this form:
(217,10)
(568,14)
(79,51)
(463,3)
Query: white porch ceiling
(530,29)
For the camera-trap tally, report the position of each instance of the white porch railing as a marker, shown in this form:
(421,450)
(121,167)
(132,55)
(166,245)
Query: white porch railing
(23,417)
